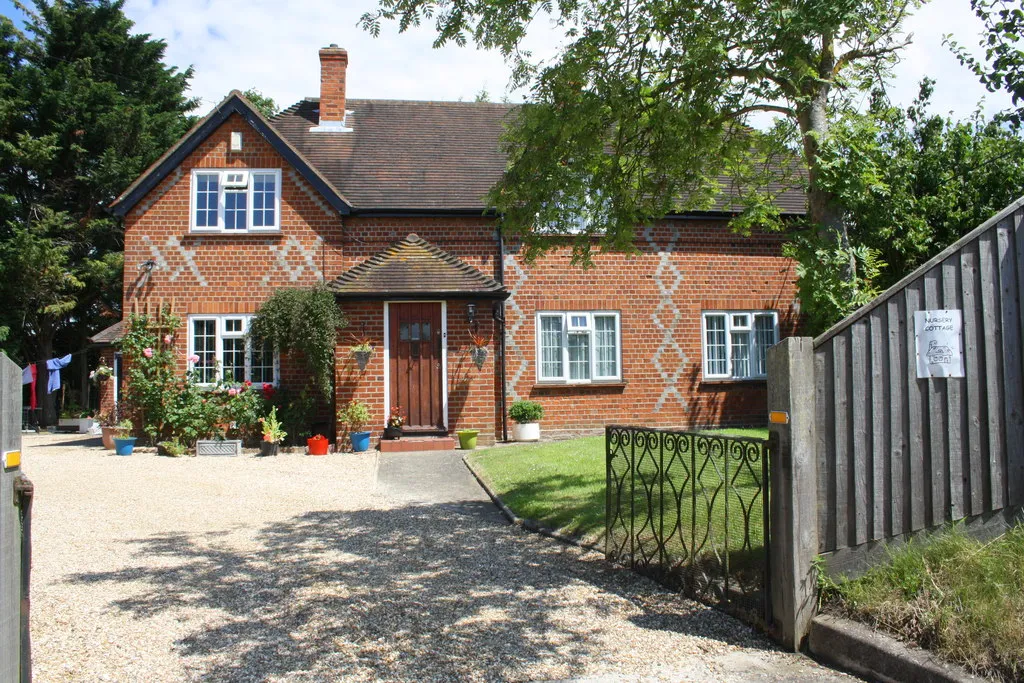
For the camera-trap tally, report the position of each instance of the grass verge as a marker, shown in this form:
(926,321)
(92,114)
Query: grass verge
(561,484)
(954,595)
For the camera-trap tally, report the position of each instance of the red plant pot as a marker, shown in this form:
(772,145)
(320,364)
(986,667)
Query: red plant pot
(317,445)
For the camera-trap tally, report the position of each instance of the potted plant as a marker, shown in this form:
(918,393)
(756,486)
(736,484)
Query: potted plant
(273,434)
(317,445)
(467,438)
(361,350)
(393,429)
(355,416)
(74,416)
(170,448)
(479,351)
(124,442)
(527,416)
(101,374)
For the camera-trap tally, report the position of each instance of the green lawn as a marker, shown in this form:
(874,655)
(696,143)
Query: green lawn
(562,485)
(952,594)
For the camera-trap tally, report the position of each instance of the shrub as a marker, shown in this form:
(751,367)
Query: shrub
(355,415)
(526,411)
(172,448)
(306,321)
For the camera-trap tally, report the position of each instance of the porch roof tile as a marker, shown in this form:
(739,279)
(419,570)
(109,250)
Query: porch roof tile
(416,269)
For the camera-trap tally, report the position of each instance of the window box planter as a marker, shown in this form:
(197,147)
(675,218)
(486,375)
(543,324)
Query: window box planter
(467,439)
(360,441)
(268,448)
(219,447)
(124,445)
(83,424)
(317,445)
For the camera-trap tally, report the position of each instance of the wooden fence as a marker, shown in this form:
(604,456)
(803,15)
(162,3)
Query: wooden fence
(869,451)
(897,454)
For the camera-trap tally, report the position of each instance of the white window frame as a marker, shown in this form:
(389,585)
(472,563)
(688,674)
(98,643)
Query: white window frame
(591,330)
(751,328)
(222,190)
(219,335)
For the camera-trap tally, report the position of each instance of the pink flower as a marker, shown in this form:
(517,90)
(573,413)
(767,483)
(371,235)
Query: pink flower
(193,359)
(147,352)
(232,392)
(167,339)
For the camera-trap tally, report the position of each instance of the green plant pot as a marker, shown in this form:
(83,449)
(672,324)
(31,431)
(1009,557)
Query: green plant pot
(467,439)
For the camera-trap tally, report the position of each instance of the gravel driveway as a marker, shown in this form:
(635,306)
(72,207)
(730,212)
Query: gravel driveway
(298,568)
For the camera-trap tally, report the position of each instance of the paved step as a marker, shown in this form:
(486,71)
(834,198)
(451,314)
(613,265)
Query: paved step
(411,444)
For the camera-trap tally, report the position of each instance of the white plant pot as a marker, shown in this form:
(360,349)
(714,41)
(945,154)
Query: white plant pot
(528,431)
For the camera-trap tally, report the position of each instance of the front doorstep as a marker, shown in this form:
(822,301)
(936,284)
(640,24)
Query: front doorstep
(410,444)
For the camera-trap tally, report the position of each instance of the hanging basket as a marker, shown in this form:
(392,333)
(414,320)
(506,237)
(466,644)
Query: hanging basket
(362,358)
(479,355)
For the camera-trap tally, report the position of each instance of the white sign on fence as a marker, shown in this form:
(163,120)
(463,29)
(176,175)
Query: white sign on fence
(939,343)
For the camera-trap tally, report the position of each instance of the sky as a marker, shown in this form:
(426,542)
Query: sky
(272,46)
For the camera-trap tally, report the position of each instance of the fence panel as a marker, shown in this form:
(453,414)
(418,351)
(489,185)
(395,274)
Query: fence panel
(690,510)
(897,454)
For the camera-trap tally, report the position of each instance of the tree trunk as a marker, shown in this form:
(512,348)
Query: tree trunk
(47,402)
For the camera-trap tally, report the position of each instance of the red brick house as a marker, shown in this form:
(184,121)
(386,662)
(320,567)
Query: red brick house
(384,201)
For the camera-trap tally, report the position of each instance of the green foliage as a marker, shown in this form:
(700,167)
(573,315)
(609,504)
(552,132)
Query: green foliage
(833,280)
(355,415)
(645,108)
(950,593)
(272,428)
(85,106)
(173,407)
(297,410)
(526,411)
(172,448)
(264,104)
(1003,65)
(305,321)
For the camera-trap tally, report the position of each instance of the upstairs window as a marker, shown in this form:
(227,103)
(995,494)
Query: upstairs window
(578,346)
(234,201)
(736,343)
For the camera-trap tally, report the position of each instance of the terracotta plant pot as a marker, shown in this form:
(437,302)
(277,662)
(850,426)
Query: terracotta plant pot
(109,434)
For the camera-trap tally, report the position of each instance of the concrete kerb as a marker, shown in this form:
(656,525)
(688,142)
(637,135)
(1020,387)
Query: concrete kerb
(528,524)
(860,649)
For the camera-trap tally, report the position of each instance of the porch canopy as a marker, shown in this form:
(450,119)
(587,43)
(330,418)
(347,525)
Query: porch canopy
(415,269)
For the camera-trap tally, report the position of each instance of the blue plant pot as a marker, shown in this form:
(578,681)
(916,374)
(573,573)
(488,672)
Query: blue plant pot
(360,441)
(124,445)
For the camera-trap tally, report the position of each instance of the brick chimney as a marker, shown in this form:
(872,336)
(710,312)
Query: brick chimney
(333,65)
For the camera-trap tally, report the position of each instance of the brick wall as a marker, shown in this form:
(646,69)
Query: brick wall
(682,268)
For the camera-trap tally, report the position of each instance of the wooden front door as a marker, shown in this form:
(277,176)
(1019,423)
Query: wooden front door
(415,350)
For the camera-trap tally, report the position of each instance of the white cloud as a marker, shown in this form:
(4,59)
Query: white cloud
(273,46)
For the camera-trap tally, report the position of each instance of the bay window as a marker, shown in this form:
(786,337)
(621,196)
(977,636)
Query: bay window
(735,343)
(578,347)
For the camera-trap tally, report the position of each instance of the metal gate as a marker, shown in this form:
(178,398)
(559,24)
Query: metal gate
(691,510)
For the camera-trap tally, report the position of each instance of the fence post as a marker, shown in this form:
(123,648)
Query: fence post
(794,489)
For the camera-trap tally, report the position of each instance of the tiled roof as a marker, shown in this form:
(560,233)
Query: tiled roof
(423,156)
(109,335)
(415,268)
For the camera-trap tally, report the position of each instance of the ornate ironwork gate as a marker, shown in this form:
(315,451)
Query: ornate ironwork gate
(691,510)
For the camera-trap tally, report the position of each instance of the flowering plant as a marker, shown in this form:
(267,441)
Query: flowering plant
(396,420)
(480,341)
(272,431)
(101,373)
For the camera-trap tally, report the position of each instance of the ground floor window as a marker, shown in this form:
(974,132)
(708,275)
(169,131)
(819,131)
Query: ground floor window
(736,343)
(579,346)
(220,348)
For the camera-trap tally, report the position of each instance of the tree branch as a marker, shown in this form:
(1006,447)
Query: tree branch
(778,109)
(851,55)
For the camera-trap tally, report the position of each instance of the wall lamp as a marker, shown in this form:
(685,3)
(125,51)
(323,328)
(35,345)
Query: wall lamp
(471,313)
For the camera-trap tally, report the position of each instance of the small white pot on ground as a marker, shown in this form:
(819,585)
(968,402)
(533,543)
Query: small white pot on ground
(528,431)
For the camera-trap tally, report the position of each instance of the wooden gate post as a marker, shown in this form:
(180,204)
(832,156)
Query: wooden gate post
(794,489)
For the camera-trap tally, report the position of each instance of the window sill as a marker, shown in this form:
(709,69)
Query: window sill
(731,380)
(200,232)
(610,384)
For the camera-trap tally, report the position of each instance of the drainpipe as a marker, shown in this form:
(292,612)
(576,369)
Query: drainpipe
(500,317)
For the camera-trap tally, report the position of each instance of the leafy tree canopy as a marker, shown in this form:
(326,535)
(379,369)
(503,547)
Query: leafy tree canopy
(1002,68)
(263,103)
(644,110)
(85,106)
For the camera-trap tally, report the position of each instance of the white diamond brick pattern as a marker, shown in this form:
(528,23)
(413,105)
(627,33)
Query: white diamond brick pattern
(512,347)
(304,259)
(188,257)
(668,360)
